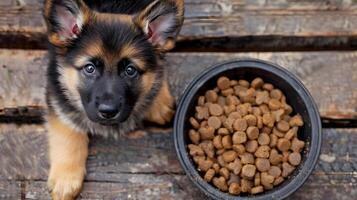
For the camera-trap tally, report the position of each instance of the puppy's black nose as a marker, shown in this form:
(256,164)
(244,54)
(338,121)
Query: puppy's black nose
(108,111)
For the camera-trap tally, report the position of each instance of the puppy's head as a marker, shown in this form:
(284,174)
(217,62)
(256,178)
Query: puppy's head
(106,64)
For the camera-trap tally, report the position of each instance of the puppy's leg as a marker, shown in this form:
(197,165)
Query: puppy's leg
(68,151)
(162,109)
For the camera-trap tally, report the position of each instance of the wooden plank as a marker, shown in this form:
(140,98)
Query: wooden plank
(10,190)
(331,77)
(22,20)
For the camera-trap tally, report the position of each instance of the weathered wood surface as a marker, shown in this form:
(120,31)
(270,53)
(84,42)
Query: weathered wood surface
(331,77)
(22,20)
(135,167)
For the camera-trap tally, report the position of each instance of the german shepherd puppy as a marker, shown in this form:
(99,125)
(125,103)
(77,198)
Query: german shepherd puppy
(104,76)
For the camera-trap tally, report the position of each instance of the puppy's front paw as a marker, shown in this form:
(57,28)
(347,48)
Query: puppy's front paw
(65,184)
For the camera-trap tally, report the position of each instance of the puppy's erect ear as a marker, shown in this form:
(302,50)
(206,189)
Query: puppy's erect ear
(65,20)
(161,20)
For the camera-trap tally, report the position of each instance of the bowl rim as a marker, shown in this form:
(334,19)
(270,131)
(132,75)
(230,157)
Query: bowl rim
(289,77)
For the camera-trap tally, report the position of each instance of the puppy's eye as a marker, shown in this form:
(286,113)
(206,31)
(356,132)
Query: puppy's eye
(89,68)
(130,70)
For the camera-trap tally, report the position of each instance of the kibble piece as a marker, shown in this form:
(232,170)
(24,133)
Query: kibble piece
(296,121)
(227,142)
(223,83)
(297,145)
(274,171)
(287,169)
(275,158)
(278,133)
(232,100)
(268,86)
(291,133)
(278,181)
(234,82)
(257,179)
(234,115)
(251,120)
(229,109)
(201,101)
(234,189)
(216,167)
(220,151)
(223,131)
(283,126)
(259,122)
(285,156)
(262,164)
(224,172)
(262,152)
(276,94)
(246,185)
(209,175)
(266,179)
(256,111)
(288,109)
(240,125)
(197,159)
(206,133)
(201,113)
(195,150)
(274,104)
(242,109)
(294,158)
(220,183)
(252,132)
(211,96)
(263,139)
(221,161)
(247,158)
(205,165)
(215,109)
(257,190)
(239,137)
(235,166)
(208,148)
(217,142)
(264,108)
(194,136)
(262,97)
(283,144)
(266,129)
(278,114)
(233,179)
(229,156)
(221,101)
(194,123)
(248,171)
(244,83)
(228,124)
(227,92)
(273,140)
(251,146)
(239,148)
(214,122)
(268,120)
(257,83)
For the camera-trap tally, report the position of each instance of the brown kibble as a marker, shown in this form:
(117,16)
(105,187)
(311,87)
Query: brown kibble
(266,130)
(275,158)
(274,171)
(274,104)
(257,190)
(296,121)
(216,167)
(234,116)
(263,139)
(215,109)
(227,92)
(252,132)
(201,113)
(233,179)
(194,123)
(234,83)
(214,122)
(194,136)
(242,109)
(247,96)
(246,185)
(259,122)
(268,120)
(229,109)
(223,131)
(205,165)
(234,189)
(220,151)
(294,158)
(273,140)
(256,111)
(239,137)
(197,159)
(227,142)
(297,145)
(209,175)
(248,171)
(221,161)
(278,181)
(262,152)
(251,146)
(291,133)
(223,83)
(239,148)
(276,94)
(195,150)
(287,169)
(232,100)
(264,108)
(220,183)
(244,83)
(229,156)
(228,124)
(206,133)
(283,144)
(224,172)
(217,142)
(201,101)
(235,166)
(278,114)
(257,179)
(240,125)
(285,156)
(221,101)
(208,148)
(262,97)
(211,96)
(247,158)
(278,133)
(283,126)
(257,83)
(266,179)
(251,120)
(262,164)
(268,86)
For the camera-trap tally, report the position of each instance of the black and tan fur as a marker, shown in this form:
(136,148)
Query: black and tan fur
(110,35)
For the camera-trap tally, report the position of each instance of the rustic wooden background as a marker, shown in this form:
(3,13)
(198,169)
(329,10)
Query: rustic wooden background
(315,39)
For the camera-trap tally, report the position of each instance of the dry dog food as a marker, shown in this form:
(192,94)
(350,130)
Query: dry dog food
(244,138)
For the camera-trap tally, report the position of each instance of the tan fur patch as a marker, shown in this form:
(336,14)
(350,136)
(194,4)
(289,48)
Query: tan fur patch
(70,80)
(147,82)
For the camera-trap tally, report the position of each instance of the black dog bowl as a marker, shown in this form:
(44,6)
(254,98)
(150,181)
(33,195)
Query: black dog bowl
(297,96)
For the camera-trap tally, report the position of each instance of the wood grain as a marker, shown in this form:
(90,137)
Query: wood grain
(147,165)
(331,78)
(21,21)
